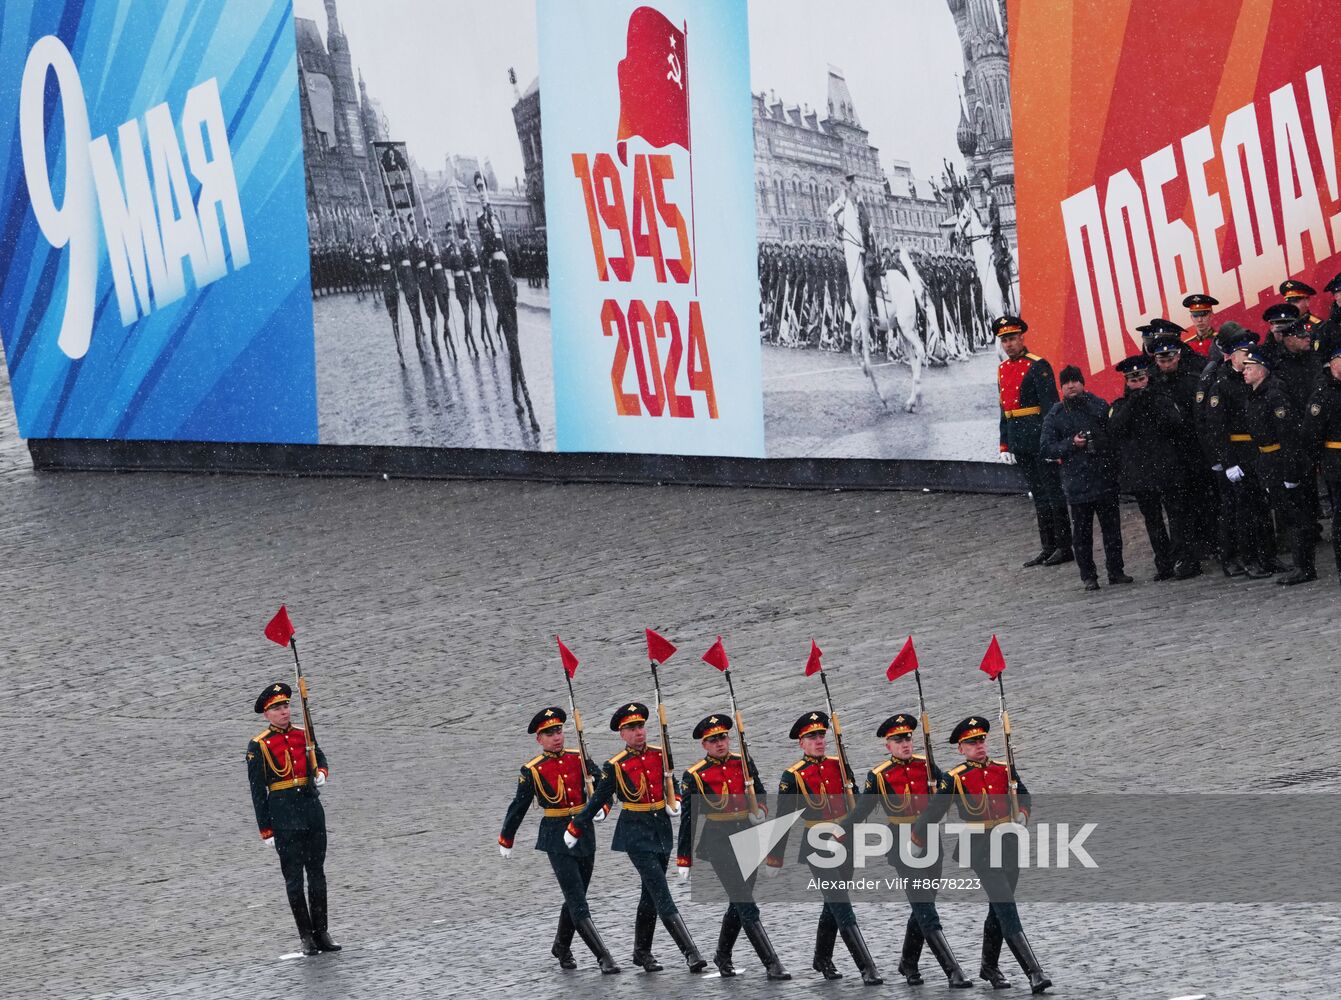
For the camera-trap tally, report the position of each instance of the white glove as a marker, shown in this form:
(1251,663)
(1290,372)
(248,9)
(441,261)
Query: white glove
(1234,474)
(672,810)
(321,779)
(505,851)
(569,839)
(1217,467)
(600,816)
(759,817)
(771,872)
(683,874)
(1291,486)
(1006,458)
(269,842)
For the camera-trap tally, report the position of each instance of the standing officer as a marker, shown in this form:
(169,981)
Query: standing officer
(901,786)
(979,788)
(1281,466)
(819,781)
(1200,336)
(1198,495)
(1328,335)
(1027,391)
(1322,432)
(714,787)
(289,814)
(554,776)
(1279,318)
(636,776)
(1300,296)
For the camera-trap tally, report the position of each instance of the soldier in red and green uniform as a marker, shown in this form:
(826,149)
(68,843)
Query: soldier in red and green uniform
(284,794)
(900,786)
(1027,390)
(554,778)
(1200,336)
(817,784)
(980,789)
(714,789)
(636,777)
(1300,295)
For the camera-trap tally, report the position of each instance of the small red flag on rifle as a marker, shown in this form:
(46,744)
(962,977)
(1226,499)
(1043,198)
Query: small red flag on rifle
(569,660)
(993,663)
(279,629)
(716,656)
(659,648)
(813,665)
(905,662)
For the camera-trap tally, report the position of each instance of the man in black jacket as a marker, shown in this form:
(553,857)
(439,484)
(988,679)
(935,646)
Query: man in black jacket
(1146,427)
(1322,434)
(1198,490)
(1281,464)
(1075,432)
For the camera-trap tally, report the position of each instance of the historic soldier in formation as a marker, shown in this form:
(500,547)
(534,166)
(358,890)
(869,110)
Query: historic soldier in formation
(478,286)
(901,786)
(714,789)
(285,771)
(821,785)
(636,776)
(404,253)
(423,271)
(1027,390)
(441,286)
(384,264)
(990,793)
(455,262)
(555,777)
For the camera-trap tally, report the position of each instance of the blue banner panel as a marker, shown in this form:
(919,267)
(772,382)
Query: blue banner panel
(154,276)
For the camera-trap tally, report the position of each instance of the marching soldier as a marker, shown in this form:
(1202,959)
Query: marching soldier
(1322,431)
(442,291)
(1281,466)
(289,814)
(636,776)
(382,263)
(715,788)
(901,786)
(1200,336)
(426,252)
(404,254)
(1027,391)
(979,788)
(817,783)
(554,777)
(455,263)
(479,287)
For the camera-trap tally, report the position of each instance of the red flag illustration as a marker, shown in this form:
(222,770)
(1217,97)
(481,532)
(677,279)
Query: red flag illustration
(569,660)
(716,655)
(905,662)
(993,663)
(659,648)
(813,665)
(279,629)
(653,83)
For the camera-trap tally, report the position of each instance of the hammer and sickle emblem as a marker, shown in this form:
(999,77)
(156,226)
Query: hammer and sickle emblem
(675,72)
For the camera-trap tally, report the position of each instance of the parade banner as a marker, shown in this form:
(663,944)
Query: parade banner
(651,214)
(153,271)
(1168,148)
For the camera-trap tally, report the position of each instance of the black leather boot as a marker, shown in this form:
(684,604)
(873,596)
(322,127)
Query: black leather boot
(912,951)
(1045,538)
(1019,947)
(861,955)
(941,949)
(563,952)
(644,925)
(680,935)
(324,941)
(726,943)
(763,947)
(824,939)
(1061,531)
(586,930)
(303,920)
(990,969)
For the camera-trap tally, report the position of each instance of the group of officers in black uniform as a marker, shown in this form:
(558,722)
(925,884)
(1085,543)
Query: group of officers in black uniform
(726,795)
(1223,436)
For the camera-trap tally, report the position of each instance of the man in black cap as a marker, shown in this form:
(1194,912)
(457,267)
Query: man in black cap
(1322,433)
(637,777)
(1147,429)
(1026,392)
(1300,295)
(285,771)
(1281,460)
(901,785)
(555,777)
(1200,336)
(1159,329)
(1198,493)
(1075,433)
(714,789)
(1300,370)
(981,789)
(819,785)
(1327,337)
(1279,318)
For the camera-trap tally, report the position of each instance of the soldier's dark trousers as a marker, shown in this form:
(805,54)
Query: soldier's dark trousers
(1334,488)
(923,901)
(304,851)
(655,899)
(500,280)
(1291,507)
(1169,545)
(574,876)
(1242,516)
(1082,528)
(741,908)
(837,911)
(1045,486)
(1003,918)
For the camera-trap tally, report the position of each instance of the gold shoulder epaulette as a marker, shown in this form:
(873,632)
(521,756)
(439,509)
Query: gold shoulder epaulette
(618,757)
(534,760)
(919,756)
(261,735)
(697,766)
(1033,357)
(796,768)
(959,768)
(882,767)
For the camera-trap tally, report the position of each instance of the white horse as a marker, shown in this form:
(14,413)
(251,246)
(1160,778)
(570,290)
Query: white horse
(896,311)
(844,215)
(979,241)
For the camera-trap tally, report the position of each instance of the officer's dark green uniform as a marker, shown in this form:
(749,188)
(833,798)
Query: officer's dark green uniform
(555,779)
(981,792)
(714,790)
(643,832)
(288,809)
(900,787)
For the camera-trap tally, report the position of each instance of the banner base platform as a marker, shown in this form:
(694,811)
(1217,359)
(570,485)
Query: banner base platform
(71,454)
